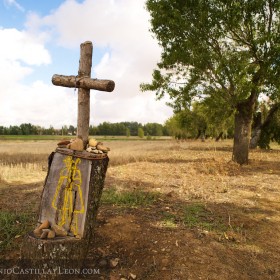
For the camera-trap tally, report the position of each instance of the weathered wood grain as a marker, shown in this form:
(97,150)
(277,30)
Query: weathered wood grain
(84,179)
(83,82)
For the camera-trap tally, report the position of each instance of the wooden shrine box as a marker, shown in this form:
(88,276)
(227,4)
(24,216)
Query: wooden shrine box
(70,198)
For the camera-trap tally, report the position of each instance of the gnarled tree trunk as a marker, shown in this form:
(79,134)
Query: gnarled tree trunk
(243,122)
(259,126)
(242,131)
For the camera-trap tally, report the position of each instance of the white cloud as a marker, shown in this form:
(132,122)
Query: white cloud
(19,52)
(122,27)
(35,104)
(20,46)
(15,4)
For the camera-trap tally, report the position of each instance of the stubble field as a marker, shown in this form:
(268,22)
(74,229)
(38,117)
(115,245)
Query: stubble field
(170,210)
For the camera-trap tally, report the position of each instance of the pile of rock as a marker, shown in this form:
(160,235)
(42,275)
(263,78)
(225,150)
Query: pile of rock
(96,147)
(77,144)
(73,144)
(47,231)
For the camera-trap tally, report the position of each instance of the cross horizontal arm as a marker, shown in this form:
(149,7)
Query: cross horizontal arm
(83,82)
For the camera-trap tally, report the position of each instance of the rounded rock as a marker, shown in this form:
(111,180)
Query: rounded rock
(51,234)
(59,231)
(92,142)
(45,224)
(37,232)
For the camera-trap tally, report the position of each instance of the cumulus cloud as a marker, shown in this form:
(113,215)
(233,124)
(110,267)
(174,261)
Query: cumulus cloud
(34,104)
(20,46)
(19,52)
(122,27)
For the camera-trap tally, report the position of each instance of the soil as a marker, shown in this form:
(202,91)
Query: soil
(237,236)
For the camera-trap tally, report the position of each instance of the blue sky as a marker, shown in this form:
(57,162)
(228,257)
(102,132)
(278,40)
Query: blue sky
(42,38)
(13,14)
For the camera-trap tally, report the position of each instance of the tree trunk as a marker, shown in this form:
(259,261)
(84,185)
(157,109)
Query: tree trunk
(219,137)
(256,134)
(256,130)
(242,131)
(259,126)
(243,121)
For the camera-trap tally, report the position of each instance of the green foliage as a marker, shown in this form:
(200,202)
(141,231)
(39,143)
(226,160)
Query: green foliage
(93,130)
(173,126)
(133,127)
(149,137)
(154,129)
(199,119)
(129,199)
(219,117)
(140,132)
(104,129)
(127,132)
(222,49)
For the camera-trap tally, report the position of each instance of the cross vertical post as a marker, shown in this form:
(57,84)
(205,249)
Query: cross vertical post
(83,93)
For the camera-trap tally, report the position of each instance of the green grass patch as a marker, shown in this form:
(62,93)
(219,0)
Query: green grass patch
(128,199)
(169,220)
(197,216)
(13,225)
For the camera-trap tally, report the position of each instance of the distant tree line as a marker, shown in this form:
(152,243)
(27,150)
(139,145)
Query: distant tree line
(26,129)
(128,129)
(199,121)
(105,128)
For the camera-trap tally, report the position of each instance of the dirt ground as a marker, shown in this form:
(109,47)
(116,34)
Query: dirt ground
(210,219)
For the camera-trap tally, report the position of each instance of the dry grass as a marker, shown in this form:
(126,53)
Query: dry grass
(163,164)
(194,170)
(24,162)
(236,207)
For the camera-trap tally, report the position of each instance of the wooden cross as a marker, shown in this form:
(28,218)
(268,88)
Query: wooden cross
(84,83)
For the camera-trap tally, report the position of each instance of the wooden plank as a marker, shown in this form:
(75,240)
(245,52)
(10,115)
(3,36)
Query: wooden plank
(64,199)
(83,82)
(47,212)
(61,252)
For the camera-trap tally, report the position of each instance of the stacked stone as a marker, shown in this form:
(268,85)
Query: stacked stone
(96,147)
(77,144)
(47,231)
(73,144)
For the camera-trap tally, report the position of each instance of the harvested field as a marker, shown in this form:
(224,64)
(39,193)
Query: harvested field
(170,210)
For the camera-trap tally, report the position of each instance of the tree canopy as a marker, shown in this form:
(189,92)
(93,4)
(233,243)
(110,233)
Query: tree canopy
(200,120)
(220,49)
